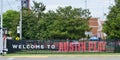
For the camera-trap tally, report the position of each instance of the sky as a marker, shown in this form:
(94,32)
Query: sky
(96,7)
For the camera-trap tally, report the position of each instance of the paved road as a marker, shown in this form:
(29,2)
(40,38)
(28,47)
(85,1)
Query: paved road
(62,58)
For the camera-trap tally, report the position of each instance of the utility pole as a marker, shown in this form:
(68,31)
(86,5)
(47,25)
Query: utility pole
(1,26)
(20,24)
(85,1)
(85,4)
(25,4)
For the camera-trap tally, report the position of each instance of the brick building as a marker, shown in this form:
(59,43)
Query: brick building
(96,28)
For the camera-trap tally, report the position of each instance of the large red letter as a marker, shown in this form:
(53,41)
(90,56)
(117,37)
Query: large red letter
(71,47)
(90,46)
(95,44)
(65,47)
(101,46)
(83,46)
(60,46)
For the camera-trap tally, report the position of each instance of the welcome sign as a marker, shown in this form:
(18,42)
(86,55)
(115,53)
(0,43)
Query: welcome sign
(83,46)
(80,46)
(30,46)
(14,45)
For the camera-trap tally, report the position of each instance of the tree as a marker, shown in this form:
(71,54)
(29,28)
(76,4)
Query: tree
(11,21)
(38,8)
(31,20)
(29,25)
(44,23)
(66,23)
(112,25)
(63,23)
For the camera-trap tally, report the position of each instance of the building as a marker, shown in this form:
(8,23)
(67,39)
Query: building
(96,26)
(93,24)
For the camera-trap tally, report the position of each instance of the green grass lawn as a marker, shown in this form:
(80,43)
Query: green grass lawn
(67,54)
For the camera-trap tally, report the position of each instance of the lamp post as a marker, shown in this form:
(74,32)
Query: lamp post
(1,26)
(85,4)
(20,24)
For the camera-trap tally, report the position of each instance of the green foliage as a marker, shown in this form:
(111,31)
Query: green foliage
(38,9)
(29,25)
(11,21)
(64,23)
(112,25)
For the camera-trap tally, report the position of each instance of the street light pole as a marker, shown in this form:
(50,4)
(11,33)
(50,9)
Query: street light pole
(21,19)
(1,26)
(85,4)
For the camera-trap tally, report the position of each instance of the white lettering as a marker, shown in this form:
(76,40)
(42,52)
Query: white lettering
(32,46)
(23,46)
(53,46)
(42,46)
(20,47)
(48,46)
(37,46)
(15,46)
(28,46)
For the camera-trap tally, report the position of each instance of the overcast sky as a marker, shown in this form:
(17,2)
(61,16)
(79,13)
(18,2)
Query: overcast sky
(96,7)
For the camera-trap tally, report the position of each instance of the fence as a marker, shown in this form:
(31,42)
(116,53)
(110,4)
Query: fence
(61,46)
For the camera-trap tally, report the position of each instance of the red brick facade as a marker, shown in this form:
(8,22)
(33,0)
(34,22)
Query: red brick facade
(93,24)
(96,27)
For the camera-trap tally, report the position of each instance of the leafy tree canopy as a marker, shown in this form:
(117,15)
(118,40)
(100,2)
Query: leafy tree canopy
(112,25)
(11,21)
(64,23)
